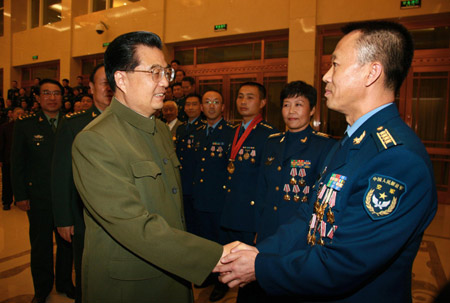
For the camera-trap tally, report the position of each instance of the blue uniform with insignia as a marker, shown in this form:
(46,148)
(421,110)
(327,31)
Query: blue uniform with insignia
(290,166)
(210,178)
(372,205)
(239,213)
(185,151)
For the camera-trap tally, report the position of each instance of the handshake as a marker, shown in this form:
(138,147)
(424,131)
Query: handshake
(237,264)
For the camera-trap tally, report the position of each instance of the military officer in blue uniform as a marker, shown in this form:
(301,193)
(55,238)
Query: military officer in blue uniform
(211,145)
(373,200)
(67,204)
(185,151)
(239,215)
(31,159)
(291,160)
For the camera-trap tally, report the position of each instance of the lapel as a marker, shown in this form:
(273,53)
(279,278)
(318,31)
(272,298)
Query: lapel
(303,141)
(43,123)
(360,136)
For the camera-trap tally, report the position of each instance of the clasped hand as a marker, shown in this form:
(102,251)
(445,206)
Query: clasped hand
(237,264)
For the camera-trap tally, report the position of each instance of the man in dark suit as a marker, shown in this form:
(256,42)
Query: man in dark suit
(185,151)
(374,198)
(6,134)
(67,205)
(31,159)
(211,145)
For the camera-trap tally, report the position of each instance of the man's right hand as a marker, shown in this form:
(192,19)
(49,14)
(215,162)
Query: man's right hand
(23,205)
(66,232)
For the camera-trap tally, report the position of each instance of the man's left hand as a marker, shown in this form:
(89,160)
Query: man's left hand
(239,266)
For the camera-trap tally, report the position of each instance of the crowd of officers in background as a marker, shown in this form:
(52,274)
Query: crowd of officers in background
(231,175)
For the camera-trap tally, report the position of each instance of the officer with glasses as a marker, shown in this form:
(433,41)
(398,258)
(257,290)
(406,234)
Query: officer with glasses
(127,173)
(31,161)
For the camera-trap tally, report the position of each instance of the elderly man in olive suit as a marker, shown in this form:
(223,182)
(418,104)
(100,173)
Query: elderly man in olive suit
(127,173)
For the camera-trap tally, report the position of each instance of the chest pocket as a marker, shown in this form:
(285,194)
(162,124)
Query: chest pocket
(145,169)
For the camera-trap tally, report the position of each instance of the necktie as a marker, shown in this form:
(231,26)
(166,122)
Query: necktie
(52,123)
(241,131)
(210,130)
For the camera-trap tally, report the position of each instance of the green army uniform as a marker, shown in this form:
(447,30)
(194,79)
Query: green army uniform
(136,250)
(31,159)
(67,204)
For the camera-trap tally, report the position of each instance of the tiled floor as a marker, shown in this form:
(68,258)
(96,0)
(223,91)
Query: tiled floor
(431,268)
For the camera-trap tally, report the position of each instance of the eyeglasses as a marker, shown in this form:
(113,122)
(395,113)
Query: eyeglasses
(48,93)
(215,102)
(158,72)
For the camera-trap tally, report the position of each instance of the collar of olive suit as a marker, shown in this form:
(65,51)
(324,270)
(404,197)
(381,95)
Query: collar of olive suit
(137,120)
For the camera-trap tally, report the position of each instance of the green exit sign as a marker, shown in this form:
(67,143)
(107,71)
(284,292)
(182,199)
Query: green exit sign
(105,44)
(410,4)
(34,57)
(220,27)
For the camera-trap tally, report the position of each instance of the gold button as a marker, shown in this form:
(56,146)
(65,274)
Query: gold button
(38,144)
(201,180)
(252,203)
(279,168)
(275,208)
(277,188)
(224,187)
(229,177)
(203,159)
(202,169)
(229,190)
(204,148)
(30,183)
(181,158)
(182,149)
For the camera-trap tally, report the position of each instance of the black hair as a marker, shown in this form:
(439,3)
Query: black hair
(299,89)
(176,61)
(94,71)
(121,53)
(43,81)
(176,84)
(189,79)
(194,96)
(259,86)
(387,42)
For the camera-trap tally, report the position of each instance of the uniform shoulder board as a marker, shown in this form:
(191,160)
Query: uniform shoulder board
(230,125)
(201,127)
(385,138)
(321,134)
(26,117)
(234,126)
(203,121)
(266,125)
(275,135)
(75,114)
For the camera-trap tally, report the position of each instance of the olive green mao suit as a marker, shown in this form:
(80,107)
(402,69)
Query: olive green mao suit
(67,204)
(31,160)
(127,173)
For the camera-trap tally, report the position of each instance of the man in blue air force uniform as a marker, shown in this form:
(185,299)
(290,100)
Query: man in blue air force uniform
(291,160)
(185,151)
(374,199)
(211,145)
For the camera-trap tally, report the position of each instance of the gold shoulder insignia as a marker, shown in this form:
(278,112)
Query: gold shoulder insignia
(358,140)
(234,126)
(201,127)
(321,134)
(275,135)
(26,117)
(266,125)
(385,138)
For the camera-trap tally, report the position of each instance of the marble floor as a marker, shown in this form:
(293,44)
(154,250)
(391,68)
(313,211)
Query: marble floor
(430,272)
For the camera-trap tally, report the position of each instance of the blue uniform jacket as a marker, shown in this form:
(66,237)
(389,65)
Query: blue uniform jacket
(239,212)
(185,151)
(291,162)
(382,185)
(211,163)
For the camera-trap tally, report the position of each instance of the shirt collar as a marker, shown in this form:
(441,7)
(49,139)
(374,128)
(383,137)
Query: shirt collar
(147,124)
(352,129)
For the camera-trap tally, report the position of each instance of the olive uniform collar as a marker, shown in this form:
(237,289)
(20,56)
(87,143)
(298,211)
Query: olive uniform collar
(137,120)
